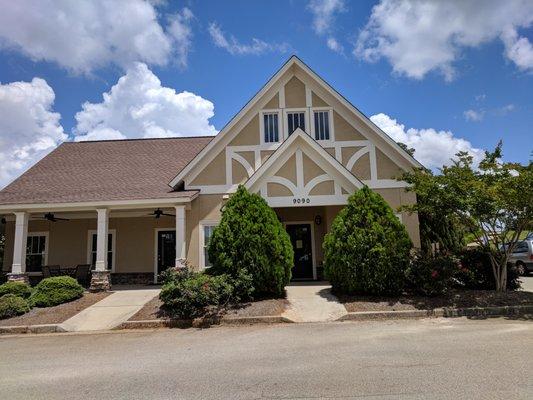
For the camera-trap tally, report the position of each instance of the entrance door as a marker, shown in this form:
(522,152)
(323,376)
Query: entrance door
(302,243)
(166,250)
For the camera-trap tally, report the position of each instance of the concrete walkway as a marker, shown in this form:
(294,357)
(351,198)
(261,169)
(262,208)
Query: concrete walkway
(111,311)
(312,302)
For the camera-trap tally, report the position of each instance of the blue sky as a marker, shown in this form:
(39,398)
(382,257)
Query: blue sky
(436,75)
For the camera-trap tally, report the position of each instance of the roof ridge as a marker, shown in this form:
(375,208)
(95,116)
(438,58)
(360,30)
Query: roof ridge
(139,139)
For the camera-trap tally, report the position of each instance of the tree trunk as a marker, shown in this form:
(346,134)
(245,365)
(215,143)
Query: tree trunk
(500,274)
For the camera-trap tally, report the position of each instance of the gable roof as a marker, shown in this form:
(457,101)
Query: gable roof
(105,170)
(301,140)
(292,61)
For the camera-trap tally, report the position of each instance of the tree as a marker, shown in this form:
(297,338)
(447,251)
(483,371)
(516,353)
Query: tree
(492,202)
(250,238)
(367,248)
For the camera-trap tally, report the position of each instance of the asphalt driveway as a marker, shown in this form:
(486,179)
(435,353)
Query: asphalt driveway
(421,359)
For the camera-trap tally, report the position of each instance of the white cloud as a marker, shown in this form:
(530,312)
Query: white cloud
(139,106)
(85,35)
(233,46)
(334,45)
(180,29)
(417,37)
(29,128)
(518,49)
(473,115)
(324,12)
(432,148)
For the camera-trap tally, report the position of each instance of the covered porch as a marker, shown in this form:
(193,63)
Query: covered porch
(122,242)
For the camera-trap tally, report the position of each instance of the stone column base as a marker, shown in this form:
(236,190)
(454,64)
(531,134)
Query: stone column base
(18,278)
(100,281)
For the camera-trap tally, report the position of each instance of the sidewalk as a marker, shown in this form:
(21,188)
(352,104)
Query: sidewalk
(312,302)
(111,311)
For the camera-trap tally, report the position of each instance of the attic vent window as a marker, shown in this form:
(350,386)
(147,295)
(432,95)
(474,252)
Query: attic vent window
(271,127)
(321,119)
(295,120)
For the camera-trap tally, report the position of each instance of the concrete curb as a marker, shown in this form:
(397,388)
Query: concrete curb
(202,322)
(15,330)
(502,311)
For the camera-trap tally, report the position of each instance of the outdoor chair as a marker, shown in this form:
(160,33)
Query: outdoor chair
(82,273)
(50,270)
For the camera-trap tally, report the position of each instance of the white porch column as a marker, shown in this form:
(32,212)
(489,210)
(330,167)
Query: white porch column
(181,252)
(100,279)
(101,239)
(18,269)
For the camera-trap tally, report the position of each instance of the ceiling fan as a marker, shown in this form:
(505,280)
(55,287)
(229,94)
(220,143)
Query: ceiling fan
(50,217)
(157,214)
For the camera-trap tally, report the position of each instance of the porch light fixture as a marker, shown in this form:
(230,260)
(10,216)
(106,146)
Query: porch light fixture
(318,220)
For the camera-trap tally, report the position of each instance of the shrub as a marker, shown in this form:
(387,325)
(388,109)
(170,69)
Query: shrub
(56,290)
(367,249)
(432,276)
(250,238)
(476,271)
(175,274)
(20,289)
(195,295)
(12,305)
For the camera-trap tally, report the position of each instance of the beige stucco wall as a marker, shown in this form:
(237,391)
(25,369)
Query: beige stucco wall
(288,170)
(387,169)
(68,241)
(318,101)
(295,93)
(311,170)
(249,135)
(343,130)
(214,173)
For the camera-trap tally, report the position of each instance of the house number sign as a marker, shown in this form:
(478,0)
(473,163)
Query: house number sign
(303,200)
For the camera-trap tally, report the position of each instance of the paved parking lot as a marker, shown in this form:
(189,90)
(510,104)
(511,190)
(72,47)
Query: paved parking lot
(527,283)
(415,359)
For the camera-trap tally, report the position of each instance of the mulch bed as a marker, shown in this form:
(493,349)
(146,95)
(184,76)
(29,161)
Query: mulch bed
(57,314)
(454,299)
(152,309)
(260,308)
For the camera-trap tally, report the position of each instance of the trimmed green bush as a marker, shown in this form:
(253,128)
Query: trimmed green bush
(432,276)
(12,305)
(250,238)
(56,290)
(367,249)
(20,289)
(194,295)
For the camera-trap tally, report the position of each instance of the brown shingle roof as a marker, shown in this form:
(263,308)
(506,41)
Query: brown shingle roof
(105,170)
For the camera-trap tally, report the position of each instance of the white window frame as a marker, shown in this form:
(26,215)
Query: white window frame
(286,113)
(331,124)
(262,125)
(46,234)
(203,224)
(113,233)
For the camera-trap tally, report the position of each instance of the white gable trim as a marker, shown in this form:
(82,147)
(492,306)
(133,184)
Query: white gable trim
(276,85)
(298,143)
(275,80)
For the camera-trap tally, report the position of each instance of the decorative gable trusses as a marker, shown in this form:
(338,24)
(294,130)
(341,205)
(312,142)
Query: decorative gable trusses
(232,147)
(302,188)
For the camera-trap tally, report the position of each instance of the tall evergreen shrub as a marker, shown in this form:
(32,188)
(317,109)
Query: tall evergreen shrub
(251,239)
(367,249)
